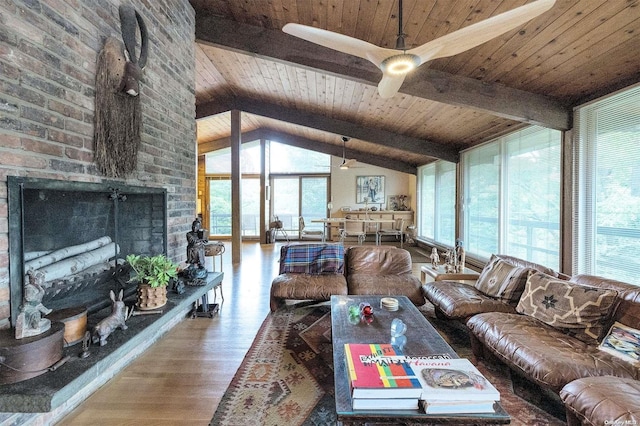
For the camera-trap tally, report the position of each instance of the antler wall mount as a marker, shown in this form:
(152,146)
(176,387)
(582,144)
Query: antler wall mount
(118,115)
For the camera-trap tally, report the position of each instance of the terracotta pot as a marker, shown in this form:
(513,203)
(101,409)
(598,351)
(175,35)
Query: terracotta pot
(151,297)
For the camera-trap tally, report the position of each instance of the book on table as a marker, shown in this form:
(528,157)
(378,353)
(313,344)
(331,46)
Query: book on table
(380,371)
(385,403)
(455,385)
(453,407)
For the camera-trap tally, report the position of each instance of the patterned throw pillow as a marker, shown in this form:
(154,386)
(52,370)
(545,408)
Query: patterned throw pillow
(577,310)
(502,280)
(312,259)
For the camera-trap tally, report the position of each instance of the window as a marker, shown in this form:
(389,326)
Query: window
(437,202)
(512,197)
(291,159)
(482,200)
(607,187)
(295,196)
(219,162)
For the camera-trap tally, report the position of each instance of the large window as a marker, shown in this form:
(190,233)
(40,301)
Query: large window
(512,197)
(291,159)
(299,187)
(607,187)
(295,196)
(482,200)
(219,162)
(437,186)
(218,171)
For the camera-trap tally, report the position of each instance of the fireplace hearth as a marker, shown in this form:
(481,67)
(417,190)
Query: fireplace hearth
(48,216)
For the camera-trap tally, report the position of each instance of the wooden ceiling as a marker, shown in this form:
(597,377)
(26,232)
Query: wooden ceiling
(307,95)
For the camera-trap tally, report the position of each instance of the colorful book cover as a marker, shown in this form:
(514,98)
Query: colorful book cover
(452,380)
(380,371)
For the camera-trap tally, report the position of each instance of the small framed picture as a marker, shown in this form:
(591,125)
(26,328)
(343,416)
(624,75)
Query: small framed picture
(399,202)
(370,189)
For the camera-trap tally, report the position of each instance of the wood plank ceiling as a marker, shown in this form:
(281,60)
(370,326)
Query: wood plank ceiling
(308,95)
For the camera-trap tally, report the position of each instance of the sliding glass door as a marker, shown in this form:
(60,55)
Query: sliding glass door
(295,196)
(219,208)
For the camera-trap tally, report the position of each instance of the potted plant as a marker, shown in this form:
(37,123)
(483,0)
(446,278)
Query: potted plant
(152,273)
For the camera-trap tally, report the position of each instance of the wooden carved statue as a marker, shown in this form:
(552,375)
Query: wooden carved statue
(460,256)
(118,115)
(196,251)
(30,322)
(435,258)
(195,244)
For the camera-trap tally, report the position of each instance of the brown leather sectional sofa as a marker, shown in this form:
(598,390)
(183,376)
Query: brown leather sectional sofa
(459,301)
(374,270)
(547,329)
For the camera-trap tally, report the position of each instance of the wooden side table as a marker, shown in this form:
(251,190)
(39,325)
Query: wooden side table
(439,274)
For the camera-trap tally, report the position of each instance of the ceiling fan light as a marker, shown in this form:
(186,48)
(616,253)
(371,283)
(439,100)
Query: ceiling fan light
(400,64)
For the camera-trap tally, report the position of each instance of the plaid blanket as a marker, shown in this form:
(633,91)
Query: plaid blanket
(312,259)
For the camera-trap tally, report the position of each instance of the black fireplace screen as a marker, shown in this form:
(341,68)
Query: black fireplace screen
(76,234)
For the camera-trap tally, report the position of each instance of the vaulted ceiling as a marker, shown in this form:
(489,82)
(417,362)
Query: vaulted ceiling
(303,94)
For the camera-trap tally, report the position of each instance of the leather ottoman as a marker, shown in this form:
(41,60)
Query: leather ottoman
(602,400)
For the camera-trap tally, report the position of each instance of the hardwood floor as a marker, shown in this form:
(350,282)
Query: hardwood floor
(181,378)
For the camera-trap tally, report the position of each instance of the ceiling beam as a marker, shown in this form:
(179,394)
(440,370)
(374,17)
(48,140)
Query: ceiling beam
(312,145)
(492,98)
(333,125)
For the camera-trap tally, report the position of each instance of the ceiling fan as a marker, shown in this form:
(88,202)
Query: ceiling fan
(346,164)
(396,65)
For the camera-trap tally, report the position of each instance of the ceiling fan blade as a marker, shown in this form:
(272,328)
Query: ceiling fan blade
(389,85)
(340,42)
(480,32)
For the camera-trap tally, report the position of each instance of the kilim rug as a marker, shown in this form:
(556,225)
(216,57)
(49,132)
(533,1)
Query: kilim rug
(286,378)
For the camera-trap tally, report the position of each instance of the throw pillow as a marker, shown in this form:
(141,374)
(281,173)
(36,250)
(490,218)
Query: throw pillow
(312,259)
(623,342)
(577,310)
(502,280)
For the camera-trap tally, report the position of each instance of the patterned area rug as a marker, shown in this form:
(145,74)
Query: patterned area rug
(286,377)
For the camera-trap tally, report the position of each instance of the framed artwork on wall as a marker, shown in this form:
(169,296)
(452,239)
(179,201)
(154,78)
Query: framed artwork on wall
(399,202)
(370,189)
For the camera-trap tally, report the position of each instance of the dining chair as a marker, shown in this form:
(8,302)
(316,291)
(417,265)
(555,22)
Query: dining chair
(353,228)
(397,231)
(304,232)
(276,226)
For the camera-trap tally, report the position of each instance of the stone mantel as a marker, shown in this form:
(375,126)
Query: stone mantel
(49,397)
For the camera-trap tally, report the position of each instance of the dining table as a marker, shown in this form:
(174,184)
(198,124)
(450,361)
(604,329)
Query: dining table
(330,222)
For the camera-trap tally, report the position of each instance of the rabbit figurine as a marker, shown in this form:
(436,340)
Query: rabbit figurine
(116,319)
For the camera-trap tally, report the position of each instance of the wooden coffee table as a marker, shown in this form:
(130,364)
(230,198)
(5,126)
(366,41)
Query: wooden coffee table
(422,339)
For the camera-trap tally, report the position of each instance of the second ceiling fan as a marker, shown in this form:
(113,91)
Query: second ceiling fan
(397,63)
(347,163)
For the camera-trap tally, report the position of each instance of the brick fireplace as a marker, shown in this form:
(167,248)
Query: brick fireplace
(48,53)
(47,215)
(47,89)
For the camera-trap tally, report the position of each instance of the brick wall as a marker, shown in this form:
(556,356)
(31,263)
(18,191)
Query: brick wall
(48,52)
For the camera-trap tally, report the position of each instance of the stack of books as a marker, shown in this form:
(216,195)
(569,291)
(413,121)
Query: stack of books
(454,386)
(382,378)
